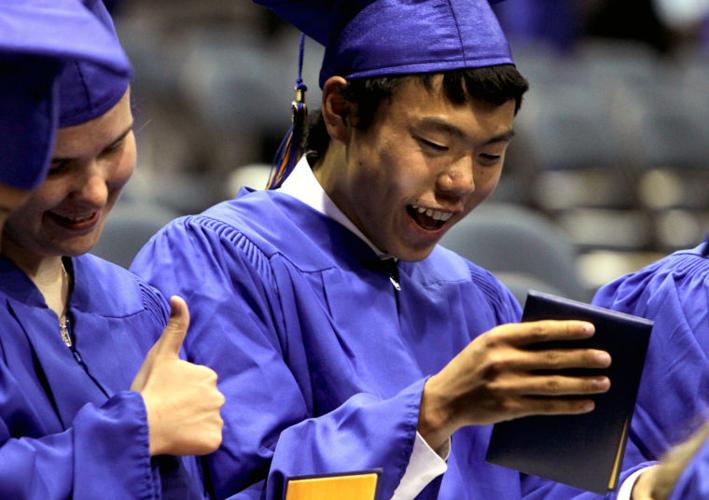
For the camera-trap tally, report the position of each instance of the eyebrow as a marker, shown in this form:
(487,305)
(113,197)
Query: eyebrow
(449,129)
(113,144)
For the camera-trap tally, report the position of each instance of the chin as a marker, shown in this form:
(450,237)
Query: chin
(77,248)
(413,255)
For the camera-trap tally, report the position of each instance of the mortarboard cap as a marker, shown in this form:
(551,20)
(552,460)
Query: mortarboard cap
(36,38)
(369,38)
(88,90)
(366,38)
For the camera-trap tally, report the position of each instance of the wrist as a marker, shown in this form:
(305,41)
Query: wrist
(642,489)
(435,422)
(155,441)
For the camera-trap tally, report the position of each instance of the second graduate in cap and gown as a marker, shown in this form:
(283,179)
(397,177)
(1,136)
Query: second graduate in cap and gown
(70,427)
(322,341)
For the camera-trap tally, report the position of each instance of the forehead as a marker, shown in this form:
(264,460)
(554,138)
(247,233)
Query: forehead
(413,102)
(92,136)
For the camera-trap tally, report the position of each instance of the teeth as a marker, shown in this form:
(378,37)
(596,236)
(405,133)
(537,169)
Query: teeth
(434,214)
(76,220)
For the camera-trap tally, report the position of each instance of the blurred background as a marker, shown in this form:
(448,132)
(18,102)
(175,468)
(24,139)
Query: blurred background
(608,171)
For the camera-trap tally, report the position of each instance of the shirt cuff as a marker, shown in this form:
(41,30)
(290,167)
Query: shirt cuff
(424,466)
(626,489)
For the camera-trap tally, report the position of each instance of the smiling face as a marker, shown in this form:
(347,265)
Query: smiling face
(90,165)
(420,167)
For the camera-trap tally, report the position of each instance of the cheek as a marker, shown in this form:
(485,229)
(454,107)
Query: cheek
(486,180)
(122,167)
(50,194)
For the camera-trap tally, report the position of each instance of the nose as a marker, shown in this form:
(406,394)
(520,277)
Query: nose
(91,187)
(457,180)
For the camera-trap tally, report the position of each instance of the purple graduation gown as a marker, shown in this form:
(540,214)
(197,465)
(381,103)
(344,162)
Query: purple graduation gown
(69,426)
(321,360)
(674,392)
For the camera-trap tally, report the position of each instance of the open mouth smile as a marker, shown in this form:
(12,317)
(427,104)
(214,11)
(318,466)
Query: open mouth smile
(77,222)
(429,219)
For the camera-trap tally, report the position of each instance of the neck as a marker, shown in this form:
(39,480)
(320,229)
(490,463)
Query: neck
(329,171)
(47,273)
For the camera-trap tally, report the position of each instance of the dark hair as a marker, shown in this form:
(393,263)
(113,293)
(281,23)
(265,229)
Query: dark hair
(493,84)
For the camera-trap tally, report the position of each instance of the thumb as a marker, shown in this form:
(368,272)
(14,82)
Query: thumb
(174,333)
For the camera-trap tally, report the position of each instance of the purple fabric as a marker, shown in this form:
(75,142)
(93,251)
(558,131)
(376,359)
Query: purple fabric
(69,426)
(674,293)
(61,29)
(36,37)
(87,90)
(367,38)
(28,119)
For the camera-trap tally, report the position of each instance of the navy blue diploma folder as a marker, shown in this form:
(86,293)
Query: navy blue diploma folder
(584,451)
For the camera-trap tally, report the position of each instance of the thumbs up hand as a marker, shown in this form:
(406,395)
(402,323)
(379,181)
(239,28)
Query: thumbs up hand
(181,399)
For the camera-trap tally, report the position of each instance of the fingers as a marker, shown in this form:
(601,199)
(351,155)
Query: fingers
(550,386)
(170,342)
(520,334)
(183,405)
(526,406)
(560,359)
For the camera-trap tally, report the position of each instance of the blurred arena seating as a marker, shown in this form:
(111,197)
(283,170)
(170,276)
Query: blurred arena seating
(129,227)
(612,144)
(521,247)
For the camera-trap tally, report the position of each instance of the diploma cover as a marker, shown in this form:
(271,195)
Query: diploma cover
(360,485)
(584,451)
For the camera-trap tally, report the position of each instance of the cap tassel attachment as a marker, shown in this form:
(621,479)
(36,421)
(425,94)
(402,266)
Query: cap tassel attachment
(291,148)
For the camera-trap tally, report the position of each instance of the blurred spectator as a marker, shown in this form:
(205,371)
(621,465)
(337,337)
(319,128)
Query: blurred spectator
(549,21)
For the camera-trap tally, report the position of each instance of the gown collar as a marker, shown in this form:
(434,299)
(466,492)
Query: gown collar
(302,185)
(17,285)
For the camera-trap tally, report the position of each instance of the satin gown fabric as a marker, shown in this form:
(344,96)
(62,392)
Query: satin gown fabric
(674,392)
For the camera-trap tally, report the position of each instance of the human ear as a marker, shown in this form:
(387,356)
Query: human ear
(336,110)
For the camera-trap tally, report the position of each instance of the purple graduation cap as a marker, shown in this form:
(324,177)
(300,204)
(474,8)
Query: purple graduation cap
(37,39)
(368,38)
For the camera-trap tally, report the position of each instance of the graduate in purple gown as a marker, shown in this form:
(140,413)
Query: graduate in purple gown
(674,392)
(344,337)
(82,415)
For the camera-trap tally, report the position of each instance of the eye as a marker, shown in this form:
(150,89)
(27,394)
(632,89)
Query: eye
(432,146)
(113,147)
(57,167)
(487,159)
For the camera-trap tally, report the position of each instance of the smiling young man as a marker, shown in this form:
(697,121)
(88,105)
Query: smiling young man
(344,336)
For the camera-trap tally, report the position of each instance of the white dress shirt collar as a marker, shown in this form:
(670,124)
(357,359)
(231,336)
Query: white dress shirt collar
(302,185)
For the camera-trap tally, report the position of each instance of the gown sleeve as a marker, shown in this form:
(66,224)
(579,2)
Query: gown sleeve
(106,449)
(237,329)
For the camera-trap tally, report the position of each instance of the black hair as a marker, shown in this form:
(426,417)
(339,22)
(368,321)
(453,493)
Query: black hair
(493,84)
